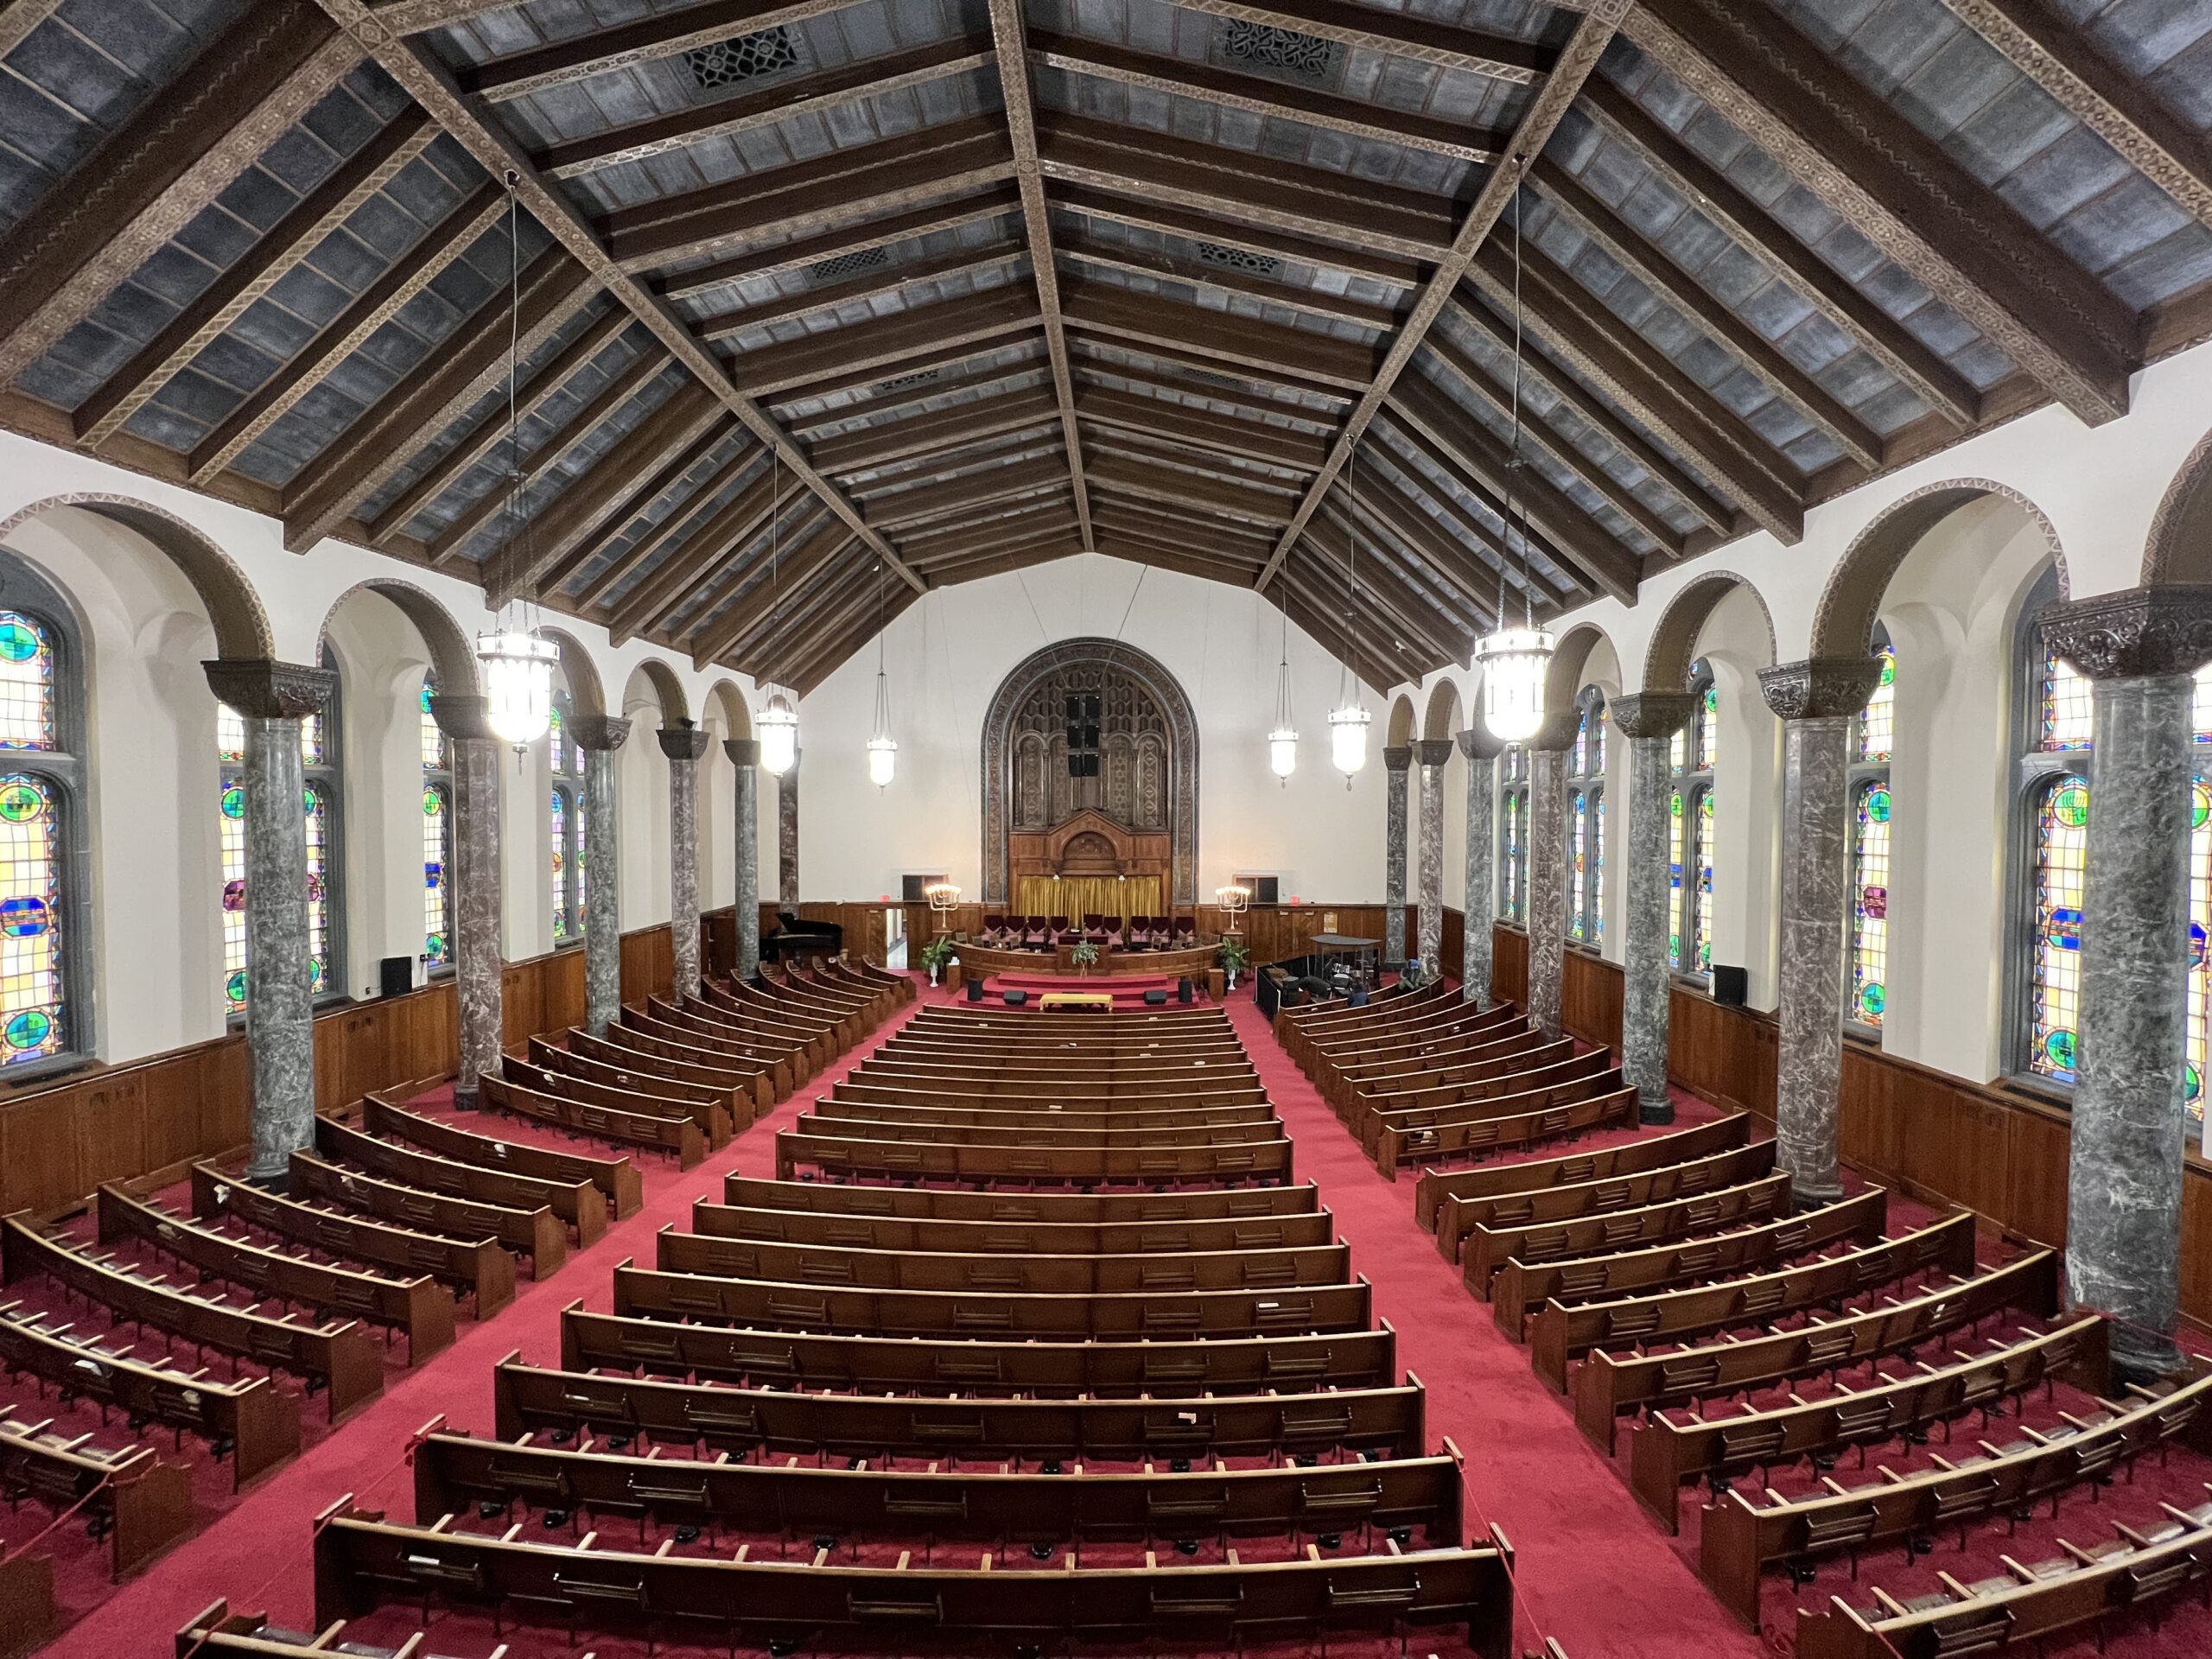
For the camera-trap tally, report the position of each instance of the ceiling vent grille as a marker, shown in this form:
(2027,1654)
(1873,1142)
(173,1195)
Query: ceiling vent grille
(1308,58)
(1256,264)
(847,264)
(900,382)
(749,57)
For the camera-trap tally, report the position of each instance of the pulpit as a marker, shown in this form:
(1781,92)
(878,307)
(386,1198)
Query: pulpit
(1092,870)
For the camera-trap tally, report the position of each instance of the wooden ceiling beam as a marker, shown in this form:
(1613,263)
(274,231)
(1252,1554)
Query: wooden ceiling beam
(1577,60)
(795,594)
(693,563)
(1336,307)
(1314,620)
(965,493)
(1124,201)
(696,512)
(877,344)
(1677,288)
(1440,634)
(1269,100)
(1458,551)
(1200,428)
(925,434)
(562,63)
(469,365)
(160,169)
(1206,492)
(1173,523)
(840,604)
(1119,543)
(478,446)
(809,676)
(412,271)
(1038,437)
(1008,519)
(1901,191)
(2070,68)
(1021,531)
(206,319)
(789,308)
(1400,34)
(629,505)
(1257,348)
(1733,211)
(627,381)
(1201,378)
(814,95)
(1009,34)
(1147,444)
(1363,636)
(932,359)
(997,201)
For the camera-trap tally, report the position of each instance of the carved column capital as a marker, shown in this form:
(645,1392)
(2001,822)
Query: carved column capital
(1557,732)
(1820,687)
(1398,759)
(2134,635)
(601,733)
(681,742)
(1432,751)
(1477,744)
(1651,713)
(742,751)
(460,717)
(261,688)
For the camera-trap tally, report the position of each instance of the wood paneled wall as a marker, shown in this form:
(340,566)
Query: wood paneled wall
(60,1140)
(1998,1151)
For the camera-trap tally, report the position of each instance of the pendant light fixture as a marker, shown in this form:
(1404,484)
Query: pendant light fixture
(515,660)
(1349,720)
(779,719)
(882,747)
(1515,662)
(1282,742)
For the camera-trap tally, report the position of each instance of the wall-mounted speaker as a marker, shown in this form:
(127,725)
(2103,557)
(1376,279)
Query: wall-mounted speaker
(396,976)
(911,886)
(1264,889)
(1730,986)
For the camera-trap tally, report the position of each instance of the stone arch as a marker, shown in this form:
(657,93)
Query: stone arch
(586,696)
(1441,718)
(675,707)
(1843,625)
(1673,642)
(1166,691)
(1563,680)
(1404,725)
(2179,547)
(724,698)
(453,664)
(242,630)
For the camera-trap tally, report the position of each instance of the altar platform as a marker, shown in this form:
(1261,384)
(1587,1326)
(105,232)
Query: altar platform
(1123,991)
(1193,962)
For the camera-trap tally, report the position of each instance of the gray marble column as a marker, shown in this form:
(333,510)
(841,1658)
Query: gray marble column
(2124,1178)
(1815,700)
(599,736)
(683,744)
(1479,909)
(477,966)
(270,697)
(1547,884)
(787,838)
(1397,762)
(1648,722)
(745,753)
(1432,756)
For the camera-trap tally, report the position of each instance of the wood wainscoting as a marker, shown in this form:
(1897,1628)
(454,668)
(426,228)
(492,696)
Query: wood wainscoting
(1997,1151)
(58,1139)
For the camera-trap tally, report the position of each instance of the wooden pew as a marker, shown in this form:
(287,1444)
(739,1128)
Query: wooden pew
(1629,1157)
(478,1267)
(216,1631)
(1559,1203)
(848,1158)
(903,1128)
(742,1421)
(732,1049)
(1562,1333)
(1521,1288)
(1395,1139)
(1665,1451)
(638,1094)
(1608,1384)
(563,1175)
(680,1137)
(1060,1275)
(362,1561)
(418,1307)
(1185,1204)
(1116,1317)
(250,1421)
(1486,1054)
(892,1106)
(339,1359)
(395,1183)
(1482,1136)
(143,1504)
(741,1100)
(1488,1248)
(991,1238)
(631,1046)
(1356,1359)
(1404,1105)
(455,1473)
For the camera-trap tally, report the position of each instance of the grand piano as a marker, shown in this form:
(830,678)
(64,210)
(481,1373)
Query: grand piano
(794,939)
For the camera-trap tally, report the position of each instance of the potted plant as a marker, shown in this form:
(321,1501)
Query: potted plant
(1233,958)
(1085,954)
(938,951)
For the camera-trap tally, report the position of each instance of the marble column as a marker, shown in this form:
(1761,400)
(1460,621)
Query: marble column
(2124,1178)
(745,753)
(599,736)
(270,697)
(478,968)
(787,838)
(1481,751)
(1431,756)
(1397,762)
(1815,700)
(1648,721)
(1548,878)
(683,744)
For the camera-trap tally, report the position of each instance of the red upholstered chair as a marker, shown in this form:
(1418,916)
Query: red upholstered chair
(1187,931)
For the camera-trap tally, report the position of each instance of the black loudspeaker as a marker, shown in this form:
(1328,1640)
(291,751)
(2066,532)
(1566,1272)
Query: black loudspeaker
(975,988)
(1156,997)
(1265,890)
(1730,986)
(1017,998)
(1182,990)
(396,976)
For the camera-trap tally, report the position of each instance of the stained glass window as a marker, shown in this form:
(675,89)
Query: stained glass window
(43,985)
(1708,726)
(437,839)
(1677,897)
(1689,831)
(320,965)
(2065,707)
(1875,724)
(1598,868)
(1578,870)
(33,1018)
(565,824)
(1870,903)
(1586,910)
(1512,866)
(233,844)
(435,756)
(27,702)
(1705,857)
(319,799)
(2060,867)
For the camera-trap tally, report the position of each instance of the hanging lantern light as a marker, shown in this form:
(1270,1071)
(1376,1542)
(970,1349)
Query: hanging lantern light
(778,722)
(882,747)
(1515,662)
(1282,742)
(1348,738)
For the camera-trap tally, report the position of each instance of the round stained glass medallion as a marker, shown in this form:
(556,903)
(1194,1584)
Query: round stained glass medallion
(24,917)
(27,1029)
(1877,806)
(2192,1082)
(1889,668)
(433,803)
(22,801)
(1872,998)
(2070,806)
(235,802)
(2200,805)
(234,988)
(19,641)
(2058,1049)
(1675,805)
(316,973)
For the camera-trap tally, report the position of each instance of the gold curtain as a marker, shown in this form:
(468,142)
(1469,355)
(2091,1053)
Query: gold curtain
(1077,896)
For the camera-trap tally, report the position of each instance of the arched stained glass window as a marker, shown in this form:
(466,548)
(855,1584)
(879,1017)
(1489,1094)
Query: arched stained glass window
(2061,866)
(559,808)
(1705,857)
(437,840)
(565,824)
(1577,865)
(1689,831)
(43,998)
(1871,731)
(1586,808)
(1513,848)
(320,800)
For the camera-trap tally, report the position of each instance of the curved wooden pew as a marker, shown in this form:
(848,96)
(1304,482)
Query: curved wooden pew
(848,1157)
(1437,1189)
(563,1175)
(1488,1248)
(989,1238)
(1179,1203)
(143,1505)
(680,1137)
